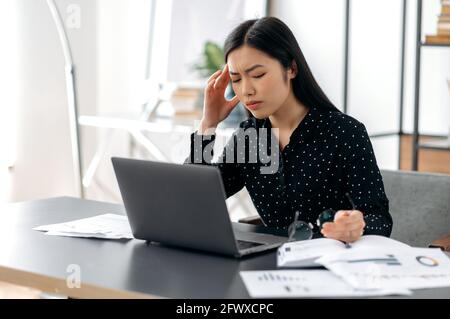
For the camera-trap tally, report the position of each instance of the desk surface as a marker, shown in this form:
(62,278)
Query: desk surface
(110,268)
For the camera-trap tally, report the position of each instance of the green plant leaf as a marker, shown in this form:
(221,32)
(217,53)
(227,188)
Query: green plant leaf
(211,60)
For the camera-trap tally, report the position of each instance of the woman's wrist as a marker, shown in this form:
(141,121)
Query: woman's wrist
(206,128)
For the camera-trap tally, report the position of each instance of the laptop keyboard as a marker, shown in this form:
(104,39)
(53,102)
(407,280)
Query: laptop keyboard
(241,244)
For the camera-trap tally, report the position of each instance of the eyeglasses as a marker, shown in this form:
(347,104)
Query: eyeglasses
(300,230)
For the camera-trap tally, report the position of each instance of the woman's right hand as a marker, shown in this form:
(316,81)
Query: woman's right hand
(216,107)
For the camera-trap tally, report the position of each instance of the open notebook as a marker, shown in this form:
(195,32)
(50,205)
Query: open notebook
(303,254)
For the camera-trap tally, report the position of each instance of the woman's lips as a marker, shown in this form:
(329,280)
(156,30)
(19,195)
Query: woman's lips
(254,106)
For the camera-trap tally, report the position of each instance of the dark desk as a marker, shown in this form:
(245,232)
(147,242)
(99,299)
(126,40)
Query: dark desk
(111,268)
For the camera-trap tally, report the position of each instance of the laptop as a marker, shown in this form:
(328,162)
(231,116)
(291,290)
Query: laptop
(184,206)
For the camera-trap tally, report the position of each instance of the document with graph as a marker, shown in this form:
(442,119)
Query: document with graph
(303,254)
(306,283)
(412,268)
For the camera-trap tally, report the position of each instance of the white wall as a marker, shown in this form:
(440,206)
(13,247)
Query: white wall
(189,19)
(319,29)
(375,58)
(122,48)
(9,98)
(43,158)
(196,21)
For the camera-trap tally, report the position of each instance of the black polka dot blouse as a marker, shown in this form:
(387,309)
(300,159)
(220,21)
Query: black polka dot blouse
(328,155)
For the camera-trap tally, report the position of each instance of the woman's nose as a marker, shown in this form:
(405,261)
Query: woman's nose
(247,89)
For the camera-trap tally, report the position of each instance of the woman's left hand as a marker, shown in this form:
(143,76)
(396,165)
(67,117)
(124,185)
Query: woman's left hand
(348,226)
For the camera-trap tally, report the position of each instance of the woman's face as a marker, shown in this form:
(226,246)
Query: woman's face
(259,81)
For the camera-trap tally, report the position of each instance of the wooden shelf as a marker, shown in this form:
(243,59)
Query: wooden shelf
(436,40)
(441,144)
(430,160)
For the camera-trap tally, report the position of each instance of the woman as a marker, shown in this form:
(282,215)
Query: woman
(323,153)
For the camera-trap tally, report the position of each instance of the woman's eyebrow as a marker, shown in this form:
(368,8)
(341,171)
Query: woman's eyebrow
(249,69)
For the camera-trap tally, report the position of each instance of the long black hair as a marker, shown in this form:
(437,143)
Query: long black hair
(274,37)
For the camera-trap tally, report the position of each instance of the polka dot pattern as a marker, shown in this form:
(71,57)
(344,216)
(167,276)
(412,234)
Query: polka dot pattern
(328,154)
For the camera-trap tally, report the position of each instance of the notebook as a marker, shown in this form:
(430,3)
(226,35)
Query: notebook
(303,254)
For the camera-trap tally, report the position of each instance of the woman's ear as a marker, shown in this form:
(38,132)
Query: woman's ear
(293,70)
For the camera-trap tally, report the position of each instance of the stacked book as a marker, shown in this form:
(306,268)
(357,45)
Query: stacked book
(443,25)
(187,101)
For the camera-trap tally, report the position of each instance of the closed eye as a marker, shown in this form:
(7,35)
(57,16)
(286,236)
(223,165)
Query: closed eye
(256,77)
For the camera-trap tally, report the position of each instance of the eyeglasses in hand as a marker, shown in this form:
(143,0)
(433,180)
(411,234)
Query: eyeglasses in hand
(299,230)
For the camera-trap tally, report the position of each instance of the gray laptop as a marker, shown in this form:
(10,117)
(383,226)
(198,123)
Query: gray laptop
(184,205)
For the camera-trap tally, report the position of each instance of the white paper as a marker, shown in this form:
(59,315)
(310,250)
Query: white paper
(412,268)
(304,253)
(375,241)
(107,226)
(305,283)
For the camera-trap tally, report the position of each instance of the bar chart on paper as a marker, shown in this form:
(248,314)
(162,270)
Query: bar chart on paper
(276,277)
(291,283)
(389,260)
(412,268)
(304,283)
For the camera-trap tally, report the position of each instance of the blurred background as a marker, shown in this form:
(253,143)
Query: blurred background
(140,68)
